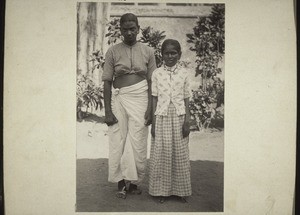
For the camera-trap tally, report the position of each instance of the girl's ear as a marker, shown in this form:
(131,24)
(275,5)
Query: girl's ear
(179,55)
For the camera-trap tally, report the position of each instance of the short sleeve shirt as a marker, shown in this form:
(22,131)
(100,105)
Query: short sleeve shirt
(170,85)
(122,59)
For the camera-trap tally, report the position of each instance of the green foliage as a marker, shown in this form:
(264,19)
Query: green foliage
(97,58)
(208,42)
(153,39)
(114,31)
(206,106)
(88,94)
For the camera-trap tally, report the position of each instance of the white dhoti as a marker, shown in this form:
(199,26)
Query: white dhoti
(128,137)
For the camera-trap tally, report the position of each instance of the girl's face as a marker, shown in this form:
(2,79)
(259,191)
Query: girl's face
(129,31)
(170,55)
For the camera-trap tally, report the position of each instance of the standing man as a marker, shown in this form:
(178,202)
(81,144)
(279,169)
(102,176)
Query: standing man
(127,97)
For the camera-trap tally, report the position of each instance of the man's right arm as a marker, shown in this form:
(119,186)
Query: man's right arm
(110,118)
(107,78)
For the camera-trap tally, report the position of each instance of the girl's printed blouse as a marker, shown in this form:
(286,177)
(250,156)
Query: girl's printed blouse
(170,85)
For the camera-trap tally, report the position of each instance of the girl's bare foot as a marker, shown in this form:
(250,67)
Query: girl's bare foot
(162,199)
(183,200)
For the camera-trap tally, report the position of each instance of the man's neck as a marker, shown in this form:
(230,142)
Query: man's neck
(130,44)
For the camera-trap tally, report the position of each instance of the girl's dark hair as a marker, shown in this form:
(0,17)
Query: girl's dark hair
(129,17)
(175,43)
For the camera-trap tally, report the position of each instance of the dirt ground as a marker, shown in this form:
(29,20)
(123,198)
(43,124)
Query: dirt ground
(95,194)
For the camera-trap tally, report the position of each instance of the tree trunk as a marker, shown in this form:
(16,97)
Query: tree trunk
(102,16)
(82,38)
(91,22)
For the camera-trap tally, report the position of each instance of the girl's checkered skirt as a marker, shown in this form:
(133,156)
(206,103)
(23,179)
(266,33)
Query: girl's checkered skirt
(169,158)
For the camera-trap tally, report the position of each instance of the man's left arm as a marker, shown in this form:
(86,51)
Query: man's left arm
(150,68)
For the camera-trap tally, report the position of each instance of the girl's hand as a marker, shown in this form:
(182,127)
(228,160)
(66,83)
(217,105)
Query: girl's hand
(148,117)
(110,118)
(186,129)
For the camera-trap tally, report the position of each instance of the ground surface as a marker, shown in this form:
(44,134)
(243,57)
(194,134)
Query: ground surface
(95,194)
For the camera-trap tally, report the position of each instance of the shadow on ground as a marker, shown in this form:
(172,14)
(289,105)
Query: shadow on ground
(90,117)
(95,194)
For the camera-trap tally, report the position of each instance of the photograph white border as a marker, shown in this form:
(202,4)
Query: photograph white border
(40,101)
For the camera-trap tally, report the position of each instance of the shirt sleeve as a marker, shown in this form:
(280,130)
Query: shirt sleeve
(151,64)
(187,87)
(154,84)
(108,69)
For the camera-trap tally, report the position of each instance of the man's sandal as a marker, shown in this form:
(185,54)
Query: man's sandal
(122,193)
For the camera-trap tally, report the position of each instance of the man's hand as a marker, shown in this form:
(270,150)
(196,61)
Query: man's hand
(110,118)
(148,117)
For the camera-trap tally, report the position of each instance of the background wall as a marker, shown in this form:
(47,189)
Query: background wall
(175,19)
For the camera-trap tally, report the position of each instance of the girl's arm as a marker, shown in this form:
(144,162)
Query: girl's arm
(186,123)
(154,103)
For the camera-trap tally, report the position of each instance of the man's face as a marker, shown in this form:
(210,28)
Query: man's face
(129,31)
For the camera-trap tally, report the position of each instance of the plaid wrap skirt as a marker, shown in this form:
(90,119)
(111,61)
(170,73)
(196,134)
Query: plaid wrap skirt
(169,167)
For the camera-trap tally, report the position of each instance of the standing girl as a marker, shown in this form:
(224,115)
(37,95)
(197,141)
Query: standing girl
(169,159)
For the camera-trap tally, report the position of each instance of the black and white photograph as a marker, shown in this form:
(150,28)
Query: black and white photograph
(118,107)
(150,107)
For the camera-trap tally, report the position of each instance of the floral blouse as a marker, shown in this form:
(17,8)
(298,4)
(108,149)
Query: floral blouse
(170,84)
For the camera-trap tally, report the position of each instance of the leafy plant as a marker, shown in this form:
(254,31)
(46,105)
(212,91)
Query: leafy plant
(208,42)
(114,31)
(206,106)
(153,39)
(97,58)
(88,94)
